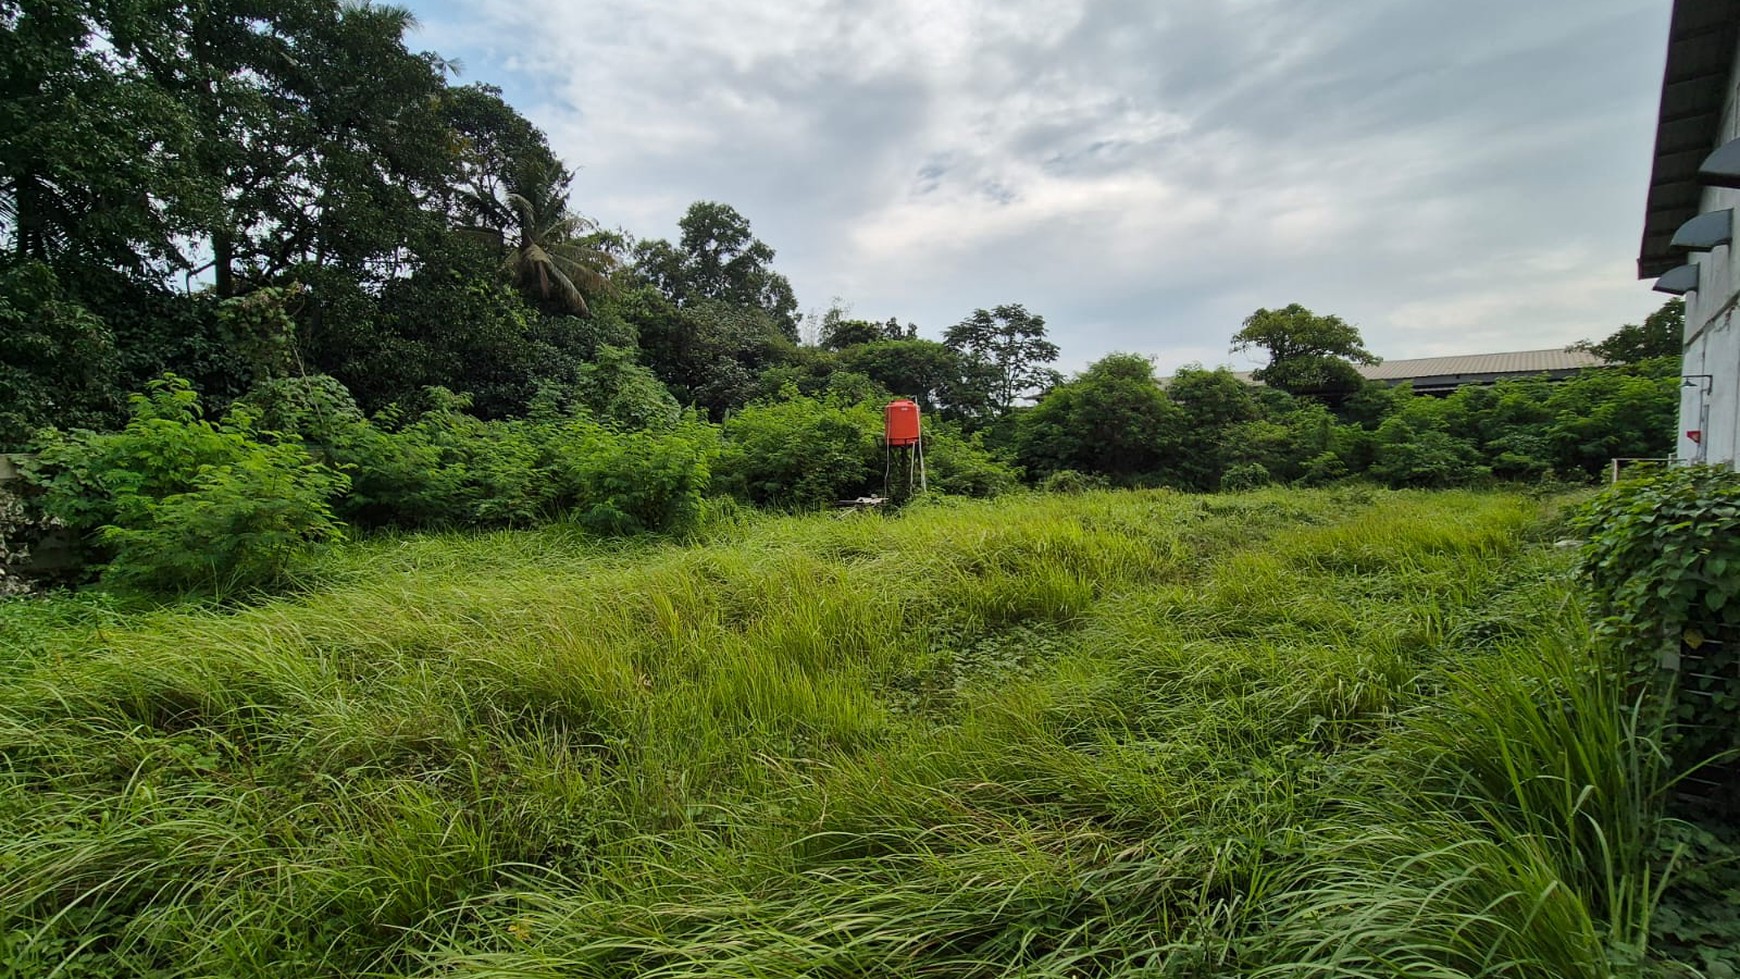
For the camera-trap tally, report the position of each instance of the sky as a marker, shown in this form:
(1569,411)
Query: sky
(1451,176)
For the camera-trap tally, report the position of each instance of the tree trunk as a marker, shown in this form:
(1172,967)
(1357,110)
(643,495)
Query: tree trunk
(223,256)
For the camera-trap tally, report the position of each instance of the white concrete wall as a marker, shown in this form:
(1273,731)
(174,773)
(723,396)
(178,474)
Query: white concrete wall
(1712,405)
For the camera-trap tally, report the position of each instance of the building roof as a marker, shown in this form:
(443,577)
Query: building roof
(1517,362)
(1701,39)
(1449,372)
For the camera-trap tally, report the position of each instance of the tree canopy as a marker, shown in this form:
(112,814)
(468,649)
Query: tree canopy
(1004,354)
(1112,420)
(285,203)
(1308,353)
(1662,334)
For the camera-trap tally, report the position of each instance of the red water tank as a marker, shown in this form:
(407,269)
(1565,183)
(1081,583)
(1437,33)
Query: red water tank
(900,423)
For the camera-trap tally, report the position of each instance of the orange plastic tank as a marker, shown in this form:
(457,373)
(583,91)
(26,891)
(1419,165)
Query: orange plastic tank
(900,423)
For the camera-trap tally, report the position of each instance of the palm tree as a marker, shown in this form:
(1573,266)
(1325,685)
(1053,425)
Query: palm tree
(549,251)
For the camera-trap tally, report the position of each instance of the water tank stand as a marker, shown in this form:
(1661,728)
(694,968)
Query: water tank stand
(912,466)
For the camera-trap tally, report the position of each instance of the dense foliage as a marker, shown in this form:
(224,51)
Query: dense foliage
(175,503)
(1663,560)
(378,286)
(1117,421)
(1308,353)
(1662,563)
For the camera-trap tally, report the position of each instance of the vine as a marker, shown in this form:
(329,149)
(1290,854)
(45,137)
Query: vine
(1663,563)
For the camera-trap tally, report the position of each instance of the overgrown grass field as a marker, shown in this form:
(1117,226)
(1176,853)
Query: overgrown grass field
(1282,733)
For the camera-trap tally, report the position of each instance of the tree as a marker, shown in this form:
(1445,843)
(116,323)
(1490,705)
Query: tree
(494,143)
(545,245)
(455,323)
(58,361)
(1661,335)
(709,353)
(1308,353)
(839,333)
(1113,420)
(924,370)
(94,156)
(1620,412)
(1212,402)
(718,259)
(318,136)
(1007,345)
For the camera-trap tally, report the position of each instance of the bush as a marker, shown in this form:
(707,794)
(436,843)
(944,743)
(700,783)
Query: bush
(1112,419)
(1323,469)
(1663,564)
(1407,456)
(449,469)
(801,452)
(1244,476)
(1070,481)
(242,527)
(958,464)
(174,503)
(627,483)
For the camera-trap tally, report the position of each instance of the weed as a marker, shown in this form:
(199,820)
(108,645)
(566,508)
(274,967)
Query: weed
(1096,733)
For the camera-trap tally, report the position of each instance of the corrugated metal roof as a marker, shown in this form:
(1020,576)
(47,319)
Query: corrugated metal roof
(1516,362)
(1701,37)
(1523,363)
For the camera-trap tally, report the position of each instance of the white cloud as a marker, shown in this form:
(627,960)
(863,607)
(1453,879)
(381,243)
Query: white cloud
(1452,177)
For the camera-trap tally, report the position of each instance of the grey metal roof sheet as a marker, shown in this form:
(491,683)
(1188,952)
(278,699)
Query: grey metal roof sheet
(1515,362)
(1523,363)
(1701,38)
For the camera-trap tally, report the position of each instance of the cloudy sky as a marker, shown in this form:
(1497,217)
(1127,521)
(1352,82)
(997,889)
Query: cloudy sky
(1453,176)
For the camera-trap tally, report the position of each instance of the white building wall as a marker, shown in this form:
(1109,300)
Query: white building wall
(1711,405)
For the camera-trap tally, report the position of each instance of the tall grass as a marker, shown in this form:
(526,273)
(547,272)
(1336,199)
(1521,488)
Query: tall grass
(1107,734)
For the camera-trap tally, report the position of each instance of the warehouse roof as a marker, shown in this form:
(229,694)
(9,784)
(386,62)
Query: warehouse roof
(1445,373)
(1701,37)
(1516,362)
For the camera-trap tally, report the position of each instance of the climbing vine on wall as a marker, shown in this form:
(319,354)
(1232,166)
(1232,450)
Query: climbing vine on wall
(1663,562)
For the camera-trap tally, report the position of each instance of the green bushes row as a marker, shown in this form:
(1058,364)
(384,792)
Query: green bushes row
(798,451)
(447,468)
(1209,430)
(178,503)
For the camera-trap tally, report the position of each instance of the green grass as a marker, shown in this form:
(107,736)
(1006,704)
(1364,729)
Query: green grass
(1279,733)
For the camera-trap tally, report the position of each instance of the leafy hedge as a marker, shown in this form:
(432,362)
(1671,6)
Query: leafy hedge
(796,451)
(176,503)
(1663,563)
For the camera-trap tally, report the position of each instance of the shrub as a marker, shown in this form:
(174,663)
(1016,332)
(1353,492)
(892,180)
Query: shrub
(1405,455)
(800,452)
(84,475)
(624,394)
(316,408)
(242,527)
(1071,481)
(958,464)
(630,482)
(1323,469)
(1663,565)
(1112,419)
(174,503)
(1244,476)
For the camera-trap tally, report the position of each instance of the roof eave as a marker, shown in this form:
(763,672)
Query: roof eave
(1700,55)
